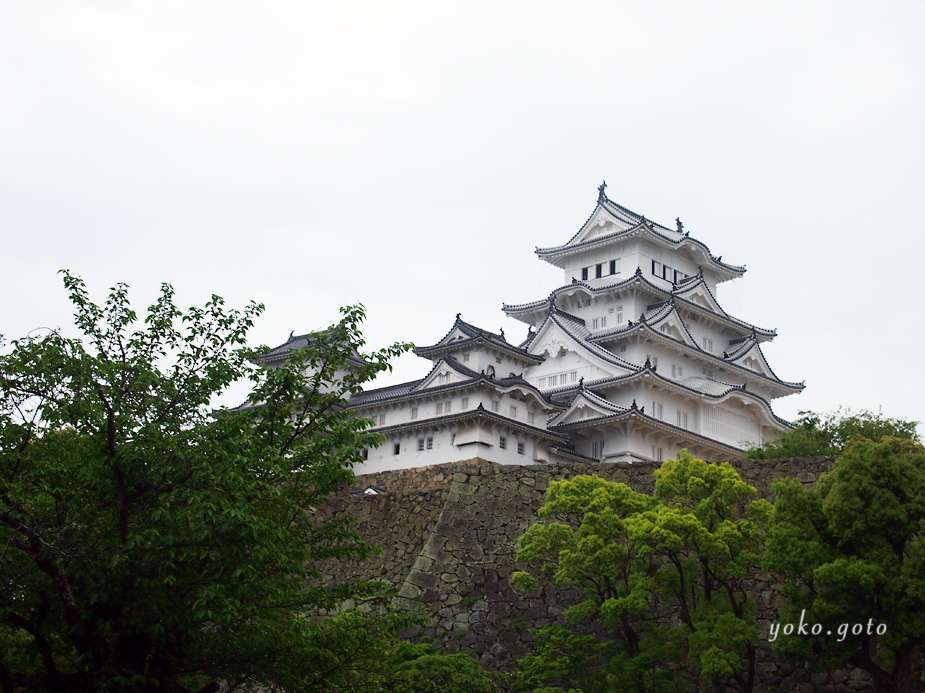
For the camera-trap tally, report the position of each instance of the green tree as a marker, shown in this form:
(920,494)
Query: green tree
(851,554)
(642,563)
(826,434)
(148,543)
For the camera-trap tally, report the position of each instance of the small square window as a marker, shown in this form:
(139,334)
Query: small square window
(521,448)
(420,444)
(465,403)
(414,412)
(502,443)
(396,449)
(430,443)
(494,405)
(465,357)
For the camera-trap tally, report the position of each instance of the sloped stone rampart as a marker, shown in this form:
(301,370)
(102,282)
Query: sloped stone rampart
(449,538)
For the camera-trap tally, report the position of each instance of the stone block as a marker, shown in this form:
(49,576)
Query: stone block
(423,580)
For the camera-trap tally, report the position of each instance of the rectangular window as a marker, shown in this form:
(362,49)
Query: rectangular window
(708,345)
(382,421)
(542,383)
(521,448)
(656,454)
(420,444)
(613,266)
(465,357)
(553,380)
(619,318)
(603,322)
(430,443)
(438,408)
(494,405)
(584,273)
(707,372)
(573,376)
(502,443)
(594,324)
(597,449)
(530,417)
(414,412)
(396,448)
(599,271)
(446,406)
(677,371)
(513,412)
(623,348)
(656,411)
(465,403)
(682,420)
(657,268)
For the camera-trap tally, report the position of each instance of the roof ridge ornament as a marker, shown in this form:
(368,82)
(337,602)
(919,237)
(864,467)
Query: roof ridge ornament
(457,316)
(634,405)
(680,225)
(601,195)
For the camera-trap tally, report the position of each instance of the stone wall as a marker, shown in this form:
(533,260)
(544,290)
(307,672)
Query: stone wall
(449,539)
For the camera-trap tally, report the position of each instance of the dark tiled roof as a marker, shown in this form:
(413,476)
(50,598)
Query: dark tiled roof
(637,222)
(282,352)
(475,335)
(478,412)
(410,390)
(708,387)
(639,278)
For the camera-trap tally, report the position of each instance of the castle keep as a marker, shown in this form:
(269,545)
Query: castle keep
(630,360)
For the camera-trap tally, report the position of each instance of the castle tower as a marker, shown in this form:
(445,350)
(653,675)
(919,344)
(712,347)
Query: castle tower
(637,348)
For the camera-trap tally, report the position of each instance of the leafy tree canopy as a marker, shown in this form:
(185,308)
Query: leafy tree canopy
(148,543)
(851,553)
(827,434)
(643,564)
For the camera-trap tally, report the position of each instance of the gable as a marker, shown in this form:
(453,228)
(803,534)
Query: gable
(601,223)
(566,355)
(443,373)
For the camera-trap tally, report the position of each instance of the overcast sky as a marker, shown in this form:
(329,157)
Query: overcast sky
(410,156)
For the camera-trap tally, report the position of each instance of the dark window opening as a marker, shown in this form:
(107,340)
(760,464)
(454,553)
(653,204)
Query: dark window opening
(584,273)
(613,266)
(396,449)
(599,271)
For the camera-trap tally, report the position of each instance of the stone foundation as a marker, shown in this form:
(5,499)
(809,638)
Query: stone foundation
(449,539)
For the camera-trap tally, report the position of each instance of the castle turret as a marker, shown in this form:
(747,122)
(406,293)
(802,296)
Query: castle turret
(663,366)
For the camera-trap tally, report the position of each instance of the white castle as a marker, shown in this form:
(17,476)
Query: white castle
(632,359)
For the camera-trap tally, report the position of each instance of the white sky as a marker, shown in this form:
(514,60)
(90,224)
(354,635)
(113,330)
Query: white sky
(411,155)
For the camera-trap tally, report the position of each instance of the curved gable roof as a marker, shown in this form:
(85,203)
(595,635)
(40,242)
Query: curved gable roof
(630,224)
